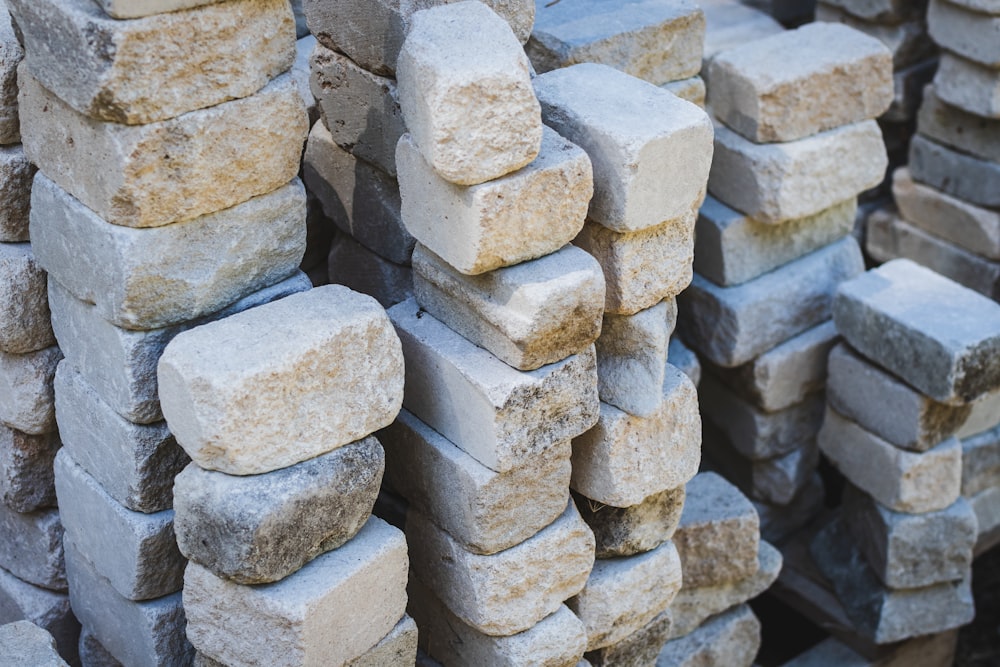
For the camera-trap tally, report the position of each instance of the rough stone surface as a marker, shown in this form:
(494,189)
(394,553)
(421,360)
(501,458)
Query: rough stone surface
(786,181)
(16,173)
(968,85)
(26,480)
(639,648)
(954,332)
(168,171)
(355,266)
(731,639)
(31,547)
(625,459)
(729,24)
(680,356)
(360,589)
(24,307)
(233,394)
(500,416)
(650,150)
(900,480)
(963,176)
(396,649)
(981,462)
(26,397)
(779,522)
(47,609)
(654,40)
(627,531)
(483,510)
(11,54)
(691,90)
(968,33)
(733,325)
(24,643)
(535,313)
(529,213)
(93,653)
(959,129)
(510,591)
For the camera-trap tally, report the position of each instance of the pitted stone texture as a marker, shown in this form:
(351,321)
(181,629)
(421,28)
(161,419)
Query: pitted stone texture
(981,462)
(653,40)
(24,643)
(639,648)
(968,33)
(955,127)
(977,181)
(284,382)
(731,639)
(47,609)
(902,481)
(733,325)
(883,11)
(500,416)
(968,86)
(11,54)
(16,174)
(776,182)
(483,510)
(262,528)
(360,199)
(719,533)
(25,321)
(93,653)
(360,589)
(680,356)
(627,531)
(535,313)
(729,24)
(26,478)
(901,311)
(31,547)
(168,171)
(353,265)
(396,649)
(651,150)
(27,401)
(691,90)
(510,591)
(465,93)
(526,214)
(625,459)
(150,69)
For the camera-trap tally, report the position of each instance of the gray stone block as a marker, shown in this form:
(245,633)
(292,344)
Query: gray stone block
(731,639)
(25,324)
(16,174)
(396,649)
(26,478)
(959,129)
(639,648)
(31,547)
(93,653)
(777,522)
(683,359)
(47,609)
(968,85)
(24,643)
(11,54)
(627,531)
(968,33)
(986,505)
(691,90)
(355,266)
(27,402)
(730,24)
(981,462)
(881,11)
(963,176)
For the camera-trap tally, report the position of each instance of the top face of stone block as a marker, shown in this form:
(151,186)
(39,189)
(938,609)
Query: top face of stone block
(154,68)
(651,151)
(941,338)
(465,91)
(282,383)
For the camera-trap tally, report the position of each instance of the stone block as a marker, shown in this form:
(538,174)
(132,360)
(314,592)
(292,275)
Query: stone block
(729,24)
(529,213)
(968,85)
(733,325)
(959,129)
(127,9)
(902,481)
(93,653)
(24,643)
(681,357)
(232,390)
(776,182)
(779,522)
(26,397)
(484,511)
(156,67)
(510,591)
(31,547)
(168,171)
(627,531)
(625,459)
(952,330)
(881,11)
(731,638)
(502,417)
(47,609)
(529,315)
(16,174)
(396,649)
(639,648)
(986,6)
(650,149)
(984,417)
(26,481)
(11,54)
(360,199)
(963,176)
(732,248)
(986,504)
(691,90)
(355,266)
(981,462)
(622,595)
(907,40)
(968,33)
(300,70)
(619,35)
(25,324)
(262,528)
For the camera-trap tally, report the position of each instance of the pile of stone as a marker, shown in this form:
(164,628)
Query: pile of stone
(795,144)
(949,196)
(919,350)
(166,196)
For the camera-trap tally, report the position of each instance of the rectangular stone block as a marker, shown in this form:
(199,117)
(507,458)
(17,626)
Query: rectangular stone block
(902,481)
(27,402)
(984,417)
(396,649)
(93,653)
(650,149)
(26,478)
(24,643)
(733,325)
(625,459)
(959,129)
(968,33)
(31,547)
(963,176)
(483,510)
(628,531)
(127,9)
(691,90)
(880,11)
(731,638)
(786,181)
(11,54)
(778,522)
(981,462)
(529,315)
(500,416)
(639,648)
(330,612)
(16,174)
(47,609)
(681,357)
(24,307)
(906,39)
(729,24)
(172,170)
(968,85)
(955,332)
(619,35)
(510,591)
(355,266)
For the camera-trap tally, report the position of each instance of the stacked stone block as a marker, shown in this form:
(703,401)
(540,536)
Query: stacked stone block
(731,23)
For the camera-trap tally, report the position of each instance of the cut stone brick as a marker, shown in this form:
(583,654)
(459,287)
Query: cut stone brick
(16,174)
(31,547)
(978,181)
(954,332)
(24,643)
(968,33)
(881,11)
(46,609)
(902,481)
(502,417)
(680,356)
(733,325)
(959,129)
(232,392)
(731,639)
(776,481)
(650,149)
(620,35)
(263,528)
(691,90)
(24,307)
(396,649)
(625,459)
(169,171)
(776,182)
(985,416)
(360,200)
(779,522)
(639,648)
(157,67)
(627,531)
(330,612)
(26,479)
(907,40)
(528,315)
(729,24)
(11,54)
(27,402)
(981,462)
(968,85)
(93,653)
(731,248)
(355,266)
(484,511)
(510,591)
(527,214)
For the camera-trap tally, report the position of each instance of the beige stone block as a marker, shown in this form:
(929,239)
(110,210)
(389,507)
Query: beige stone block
(692,90)
(731,638)
(968,33)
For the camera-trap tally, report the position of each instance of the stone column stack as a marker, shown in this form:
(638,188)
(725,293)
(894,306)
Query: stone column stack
(795,144)
(167,136)
(918,351)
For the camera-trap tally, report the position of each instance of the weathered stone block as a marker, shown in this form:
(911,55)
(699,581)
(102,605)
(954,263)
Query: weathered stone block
(27,402)
(981,462)
(24,643)
(16,174)
(729,24)
(26,479)
(650,149)
(47,609)
(396,649)
(955,127)
(355,266)
(968,85)
(971,179)
(968,33)
(907,40)
(691,90)
(731,638)
(627,531)
(984,417)
(11,54)
(680,356)
(31,547)
(25,324)
(127,9)
(639,648)
(93,653)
